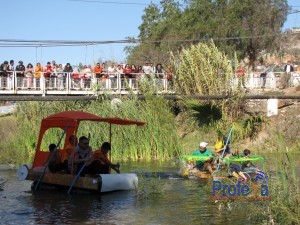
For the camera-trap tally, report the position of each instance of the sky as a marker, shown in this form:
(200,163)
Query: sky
(78,20)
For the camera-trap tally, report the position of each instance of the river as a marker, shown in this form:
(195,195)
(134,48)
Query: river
(182,201)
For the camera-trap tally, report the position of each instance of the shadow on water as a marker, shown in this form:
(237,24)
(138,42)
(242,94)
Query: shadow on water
(181,202)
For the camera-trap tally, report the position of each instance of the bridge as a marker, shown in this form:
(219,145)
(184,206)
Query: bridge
(70,87)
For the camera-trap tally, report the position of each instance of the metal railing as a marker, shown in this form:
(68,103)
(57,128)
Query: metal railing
(74,83)
(80,84)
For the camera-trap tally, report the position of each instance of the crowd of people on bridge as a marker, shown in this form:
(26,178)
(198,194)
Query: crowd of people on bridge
(55,74)
(84,71)
(82,76)
(281,71)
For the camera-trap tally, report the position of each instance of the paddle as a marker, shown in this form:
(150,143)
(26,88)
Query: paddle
(78,174)
(51,156)
(227,140)
(117,168)
(2,182)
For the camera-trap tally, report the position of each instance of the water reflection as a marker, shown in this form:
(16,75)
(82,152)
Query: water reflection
(183,202)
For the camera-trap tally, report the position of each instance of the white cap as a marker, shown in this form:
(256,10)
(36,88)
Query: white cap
(203,144)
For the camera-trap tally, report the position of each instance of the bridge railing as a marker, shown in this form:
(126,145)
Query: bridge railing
(74,83)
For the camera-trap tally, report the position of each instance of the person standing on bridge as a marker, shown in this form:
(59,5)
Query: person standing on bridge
(263,75)
(20,70)
(11,67)
(288,69)
(97,70)
(29,73)
(4,68)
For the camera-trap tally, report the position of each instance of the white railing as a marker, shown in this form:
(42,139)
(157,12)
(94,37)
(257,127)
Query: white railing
(74,83)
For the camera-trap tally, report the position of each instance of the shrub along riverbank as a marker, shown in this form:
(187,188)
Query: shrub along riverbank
(157,140)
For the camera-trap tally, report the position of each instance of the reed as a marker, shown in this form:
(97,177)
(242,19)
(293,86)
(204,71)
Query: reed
(284,190)
(157,140)
(149,188)
(283,208)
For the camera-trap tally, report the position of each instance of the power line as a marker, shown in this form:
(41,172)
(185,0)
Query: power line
(65,43)
(121,3)
(117,3)
(294,11)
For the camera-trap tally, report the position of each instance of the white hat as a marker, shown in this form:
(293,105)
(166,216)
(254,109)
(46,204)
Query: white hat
(203,144)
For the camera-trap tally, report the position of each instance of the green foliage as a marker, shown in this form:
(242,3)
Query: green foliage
(157,24)
(156,140)
(248,127)
(149,188)
(202,69)
(237,26)
(202,113)
(283,208)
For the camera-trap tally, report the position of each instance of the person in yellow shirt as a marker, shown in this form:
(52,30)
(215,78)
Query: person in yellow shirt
(219,149)
(38,70)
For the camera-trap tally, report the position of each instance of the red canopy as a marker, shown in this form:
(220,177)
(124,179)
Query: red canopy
(71,120)
(63,118)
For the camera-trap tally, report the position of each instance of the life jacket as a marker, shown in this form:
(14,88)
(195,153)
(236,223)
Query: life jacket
(98,155)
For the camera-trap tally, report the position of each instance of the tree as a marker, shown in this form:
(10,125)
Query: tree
(257,23)
(245,27)
(157,24)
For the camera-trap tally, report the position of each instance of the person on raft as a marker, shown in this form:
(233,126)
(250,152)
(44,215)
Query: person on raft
(249,167)
(55,164)
(203,164)
(102,156)
(83,156)
(221,150)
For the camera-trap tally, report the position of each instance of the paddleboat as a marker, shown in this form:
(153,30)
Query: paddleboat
(69,122)
(187,171)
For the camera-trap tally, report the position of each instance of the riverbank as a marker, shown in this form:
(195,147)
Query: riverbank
(5,167)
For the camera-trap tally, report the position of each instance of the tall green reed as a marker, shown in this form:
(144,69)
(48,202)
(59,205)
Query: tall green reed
(284,191)
(156,140)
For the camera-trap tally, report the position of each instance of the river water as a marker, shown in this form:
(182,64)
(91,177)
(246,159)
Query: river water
(183,201)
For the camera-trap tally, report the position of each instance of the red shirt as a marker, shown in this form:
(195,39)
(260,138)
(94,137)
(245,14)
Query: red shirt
(48,70)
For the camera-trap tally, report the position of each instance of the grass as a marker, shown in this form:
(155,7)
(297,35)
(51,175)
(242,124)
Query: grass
(283,208)
(157,140)
(148,188)
(283,186)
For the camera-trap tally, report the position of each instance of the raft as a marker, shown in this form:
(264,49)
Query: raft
(99,183)
(69,121)
(185,171)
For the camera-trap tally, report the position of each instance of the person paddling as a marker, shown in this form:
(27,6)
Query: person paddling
(102,156)
(249,167)
(203,151)
(83,157)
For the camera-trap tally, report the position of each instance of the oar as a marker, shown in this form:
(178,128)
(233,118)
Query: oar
(227,140)
(76,178)
(78,174)
(52,154)
(118,168)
